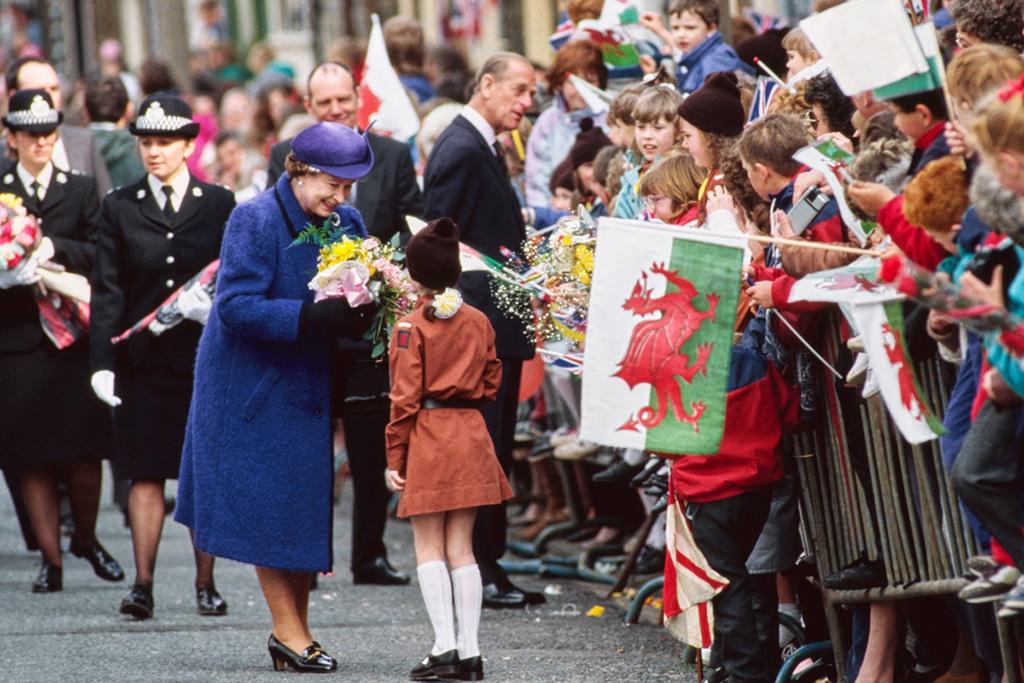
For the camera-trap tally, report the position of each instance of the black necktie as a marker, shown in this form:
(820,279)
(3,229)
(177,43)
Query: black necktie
(499,150)
(168,204)
(33,194)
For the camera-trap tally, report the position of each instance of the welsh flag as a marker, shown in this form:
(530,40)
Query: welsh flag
(382,99)
(831,161)
(690,583)
(659,337)
(855,283)
(616,47)
(881,328)
(623,12)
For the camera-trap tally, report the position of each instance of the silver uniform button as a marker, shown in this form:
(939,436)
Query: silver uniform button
(170,283)
(170,259)
(170,235)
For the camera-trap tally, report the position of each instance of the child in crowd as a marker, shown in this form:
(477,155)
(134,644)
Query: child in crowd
(403,38)
(440,456)
(712,119)
(656,133)
(833,111)
(589,142)
(669,190)
(699,48)
(803,61)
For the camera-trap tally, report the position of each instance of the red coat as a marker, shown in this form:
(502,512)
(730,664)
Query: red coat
(445,454)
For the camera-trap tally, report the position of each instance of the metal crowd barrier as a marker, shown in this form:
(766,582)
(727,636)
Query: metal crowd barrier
(907,515)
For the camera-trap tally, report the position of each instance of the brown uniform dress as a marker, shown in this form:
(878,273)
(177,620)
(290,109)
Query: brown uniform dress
(445,454)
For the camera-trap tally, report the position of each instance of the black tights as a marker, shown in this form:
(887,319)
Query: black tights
(39,489)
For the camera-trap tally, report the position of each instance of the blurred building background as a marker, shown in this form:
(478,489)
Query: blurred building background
(294,34)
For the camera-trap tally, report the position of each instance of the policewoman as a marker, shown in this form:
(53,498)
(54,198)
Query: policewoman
(49,420)
(258,467)
(154,235)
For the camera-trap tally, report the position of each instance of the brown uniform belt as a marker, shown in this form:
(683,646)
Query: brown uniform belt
(466,403)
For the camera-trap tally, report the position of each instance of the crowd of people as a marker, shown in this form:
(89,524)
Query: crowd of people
(140,182)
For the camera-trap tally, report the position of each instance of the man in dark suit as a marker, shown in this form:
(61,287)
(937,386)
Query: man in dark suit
(466,180)
(76,149)
(360,385)
(389,192)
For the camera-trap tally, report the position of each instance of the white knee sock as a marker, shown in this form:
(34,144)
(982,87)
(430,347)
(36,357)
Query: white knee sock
(437,597)
(469,596)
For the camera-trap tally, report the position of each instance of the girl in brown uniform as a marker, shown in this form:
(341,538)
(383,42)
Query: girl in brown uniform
(443,368)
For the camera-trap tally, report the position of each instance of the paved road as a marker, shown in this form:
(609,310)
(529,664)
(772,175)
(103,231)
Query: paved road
(377,633)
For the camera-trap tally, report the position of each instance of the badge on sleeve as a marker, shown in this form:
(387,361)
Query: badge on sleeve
(403,338)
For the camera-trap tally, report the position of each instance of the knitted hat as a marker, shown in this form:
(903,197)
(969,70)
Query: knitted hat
(561,177)
(716,106)
(164,115)
(590,140)
(432,254)
(32,111)
(768,48)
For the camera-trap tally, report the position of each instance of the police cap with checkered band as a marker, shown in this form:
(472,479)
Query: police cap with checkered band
(32,111)
(165,116)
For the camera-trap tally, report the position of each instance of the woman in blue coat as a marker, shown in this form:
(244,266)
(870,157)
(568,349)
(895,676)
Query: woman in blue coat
(257,466)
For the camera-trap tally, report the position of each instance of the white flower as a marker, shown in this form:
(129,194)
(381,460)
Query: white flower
(141,194)
(197,192)
(447,303)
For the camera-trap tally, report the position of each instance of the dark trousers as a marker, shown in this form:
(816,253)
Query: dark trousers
(367,458)
(500,417)
(987,476)
(726,531)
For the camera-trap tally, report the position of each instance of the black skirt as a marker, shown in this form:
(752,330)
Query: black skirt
(149,425)
(48,412)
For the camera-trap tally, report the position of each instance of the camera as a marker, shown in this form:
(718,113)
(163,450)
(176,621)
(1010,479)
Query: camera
(806,210)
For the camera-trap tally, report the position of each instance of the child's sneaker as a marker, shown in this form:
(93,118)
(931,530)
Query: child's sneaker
(1015,598)
(562,437)
(577,449)
(982,565)
(990,588)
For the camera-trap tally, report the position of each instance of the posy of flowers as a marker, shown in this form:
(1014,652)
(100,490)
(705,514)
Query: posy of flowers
(19,232)
(363,271)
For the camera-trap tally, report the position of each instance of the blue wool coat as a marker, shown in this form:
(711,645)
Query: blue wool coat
(257,466)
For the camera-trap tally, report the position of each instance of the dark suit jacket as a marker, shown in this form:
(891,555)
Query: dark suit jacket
(467,182)
(141,259)
(68,217)
(385,196)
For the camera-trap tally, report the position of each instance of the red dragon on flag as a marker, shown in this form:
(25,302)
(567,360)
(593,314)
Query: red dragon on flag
(655,356)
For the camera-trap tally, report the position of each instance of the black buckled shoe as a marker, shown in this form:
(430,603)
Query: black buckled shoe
(209,602)
(379,573)
(471,669)
(650,561)
(49,580)
(312,660)
(139,603)
(444,665)
(103,564)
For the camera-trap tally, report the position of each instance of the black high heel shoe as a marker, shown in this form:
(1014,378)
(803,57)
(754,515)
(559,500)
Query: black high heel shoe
(444,665)
(312,660)
(49,580)
(471,669)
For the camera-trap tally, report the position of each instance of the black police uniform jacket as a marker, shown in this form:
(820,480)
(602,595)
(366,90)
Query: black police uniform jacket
(47,410)
(141,259)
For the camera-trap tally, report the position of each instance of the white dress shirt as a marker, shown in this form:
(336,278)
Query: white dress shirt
(179,186)
(42,180)
(480,123)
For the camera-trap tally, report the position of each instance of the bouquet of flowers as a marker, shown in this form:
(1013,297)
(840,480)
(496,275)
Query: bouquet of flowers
(943,296)
(552,288)
(19,232)
(365,270)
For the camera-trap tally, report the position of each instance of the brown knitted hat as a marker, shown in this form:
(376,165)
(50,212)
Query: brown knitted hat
(561,177)
(716,106)
(590,140)
(432,255)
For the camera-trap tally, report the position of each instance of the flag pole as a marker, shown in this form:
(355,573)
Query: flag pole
(771,74)
(766,239)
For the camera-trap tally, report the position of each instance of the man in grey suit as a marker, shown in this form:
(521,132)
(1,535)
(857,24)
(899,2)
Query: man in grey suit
(76,149)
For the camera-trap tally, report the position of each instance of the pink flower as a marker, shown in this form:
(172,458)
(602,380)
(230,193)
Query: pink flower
(371,243)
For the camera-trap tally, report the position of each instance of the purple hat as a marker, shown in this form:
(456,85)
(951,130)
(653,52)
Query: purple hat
(334,149)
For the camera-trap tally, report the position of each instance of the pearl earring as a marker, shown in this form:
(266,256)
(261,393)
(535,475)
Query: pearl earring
(300,183)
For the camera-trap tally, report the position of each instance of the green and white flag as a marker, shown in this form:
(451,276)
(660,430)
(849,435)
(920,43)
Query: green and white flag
(880,326)
(855,283)
(831,161)
(659,337)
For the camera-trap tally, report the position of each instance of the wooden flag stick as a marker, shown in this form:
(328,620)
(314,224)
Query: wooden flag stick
(824,246)
(771,74)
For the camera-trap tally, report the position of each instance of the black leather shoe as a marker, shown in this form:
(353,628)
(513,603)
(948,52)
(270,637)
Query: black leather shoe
(650,561)
(105,566)
(49,580)
(139,603)
(650,467)
(380,573)
(471,669)
(619,471)
(209,602)
(496,597)
(312,660)
(444,665)
(531,597)
(862,574)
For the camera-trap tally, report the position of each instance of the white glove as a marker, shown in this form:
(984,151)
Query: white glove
(103,386)
(195,304)
(23,274)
